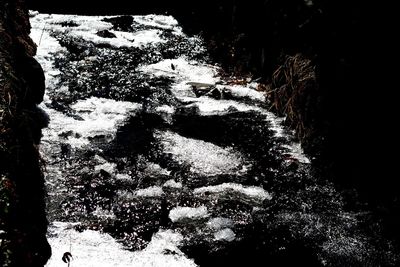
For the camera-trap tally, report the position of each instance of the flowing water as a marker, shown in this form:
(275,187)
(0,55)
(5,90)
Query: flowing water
(155,158)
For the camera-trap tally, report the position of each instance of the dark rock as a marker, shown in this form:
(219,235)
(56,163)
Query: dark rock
(121,23)
(106,34)
(214,93)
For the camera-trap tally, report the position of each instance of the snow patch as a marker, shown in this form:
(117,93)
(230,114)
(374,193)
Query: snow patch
(183,69)
(192,152)
(88,26)
(107,166)
(219,223)
(244,91)
(100,117)
(209,106)
(94,249)
(153,169)
(225,235)
(172,184)
(165,109)
(181,213)
(249,191)
(152,191)
(158,21)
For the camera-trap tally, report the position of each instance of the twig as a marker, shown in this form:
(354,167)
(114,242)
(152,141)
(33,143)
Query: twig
(40,39)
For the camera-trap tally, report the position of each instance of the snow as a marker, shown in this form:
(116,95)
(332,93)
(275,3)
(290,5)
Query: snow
(100,117)
(152,191)
(209,106)
(99,212)
(159,21)
(184,72)
(153,169)
(182,213)
(225,235)
(165,109)
(94,249)
(172,184)
(192,152)
(88,26)
(107,166)
(219,223)
(244,91)
(249,191)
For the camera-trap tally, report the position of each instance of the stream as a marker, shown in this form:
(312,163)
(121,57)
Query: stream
(155,157)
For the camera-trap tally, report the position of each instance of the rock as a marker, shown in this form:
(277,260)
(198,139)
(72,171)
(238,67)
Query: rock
(121,23)
(214,93)
(106,34)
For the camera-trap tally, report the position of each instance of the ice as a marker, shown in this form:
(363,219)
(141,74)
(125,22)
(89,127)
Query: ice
(192,152)
(182,213)
(94,249)
(225,235)
(249,191)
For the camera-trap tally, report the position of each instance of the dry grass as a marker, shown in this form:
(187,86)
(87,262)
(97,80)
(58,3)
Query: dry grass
(291,92)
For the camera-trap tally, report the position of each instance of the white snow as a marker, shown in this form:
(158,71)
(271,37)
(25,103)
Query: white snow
(249,191)
(101,117)
(219,223)
(181,213)
(225,235)
(210,106)
(88,26)
(172,184)
(202,157)
(159,21)
(183,71)
(107,166)
(153,169)
(244,91)
(152,191)
(94,249)
(165,109)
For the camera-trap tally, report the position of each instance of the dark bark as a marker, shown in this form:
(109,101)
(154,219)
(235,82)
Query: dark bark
(23,222)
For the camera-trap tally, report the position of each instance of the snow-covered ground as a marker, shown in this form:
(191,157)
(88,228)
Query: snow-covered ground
(79,135)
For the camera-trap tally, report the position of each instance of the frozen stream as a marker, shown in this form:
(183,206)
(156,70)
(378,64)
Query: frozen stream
(153,159)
